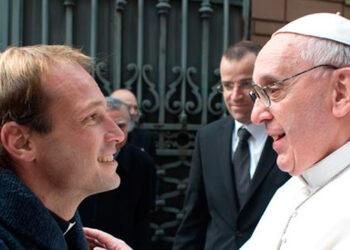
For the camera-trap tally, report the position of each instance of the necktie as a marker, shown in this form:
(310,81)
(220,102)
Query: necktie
(241,165)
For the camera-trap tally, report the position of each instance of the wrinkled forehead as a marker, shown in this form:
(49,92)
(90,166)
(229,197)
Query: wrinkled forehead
(279,57)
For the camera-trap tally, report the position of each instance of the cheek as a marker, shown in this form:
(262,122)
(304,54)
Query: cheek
(226,95)
(294,124)
(248,101)
(227,98)
(306,128)
(84,145)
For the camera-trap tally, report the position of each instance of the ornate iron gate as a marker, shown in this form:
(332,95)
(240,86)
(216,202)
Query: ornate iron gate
(167,52)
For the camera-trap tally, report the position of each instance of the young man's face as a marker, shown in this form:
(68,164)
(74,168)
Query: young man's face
(77,155)
(299,118)
(237,100)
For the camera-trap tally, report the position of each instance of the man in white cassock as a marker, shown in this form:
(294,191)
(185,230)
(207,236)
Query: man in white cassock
(302,91)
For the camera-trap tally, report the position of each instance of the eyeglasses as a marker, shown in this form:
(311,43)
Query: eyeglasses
(229,86)
(264,93)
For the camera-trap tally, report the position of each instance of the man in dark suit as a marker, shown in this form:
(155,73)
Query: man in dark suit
(218,212)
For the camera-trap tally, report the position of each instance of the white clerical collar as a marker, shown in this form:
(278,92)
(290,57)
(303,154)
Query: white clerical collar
(71,224)
(325,170)
(257,131)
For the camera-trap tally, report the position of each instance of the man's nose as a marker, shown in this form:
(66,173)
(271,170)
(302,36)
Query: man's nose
(114,132)
(260,112)
(236,91)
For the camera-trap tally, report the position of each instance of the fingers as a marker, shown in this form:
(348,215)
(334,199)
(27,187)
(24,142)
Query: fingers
(93,243)
(101,240)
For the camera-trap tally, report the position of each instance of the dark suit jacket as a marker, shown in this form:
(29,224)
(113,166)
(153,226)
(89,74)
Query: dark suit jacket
(125,211)
(212,218)
(143,139)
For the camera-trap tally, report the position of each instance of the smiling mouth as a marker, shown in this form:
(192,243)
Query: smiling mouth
(278,137)
(106,158)
(237,105)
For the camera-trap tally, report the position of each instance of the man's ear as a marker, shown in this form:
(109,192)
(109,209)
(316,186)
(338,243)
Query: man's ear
(341,93)
(15,139)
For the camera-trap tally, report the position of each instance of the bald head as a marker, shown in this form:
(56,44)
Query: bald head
(127,97)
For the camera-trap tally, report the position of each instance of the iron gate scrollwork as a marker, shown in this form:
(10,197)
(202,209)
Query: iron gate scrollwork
(166,52)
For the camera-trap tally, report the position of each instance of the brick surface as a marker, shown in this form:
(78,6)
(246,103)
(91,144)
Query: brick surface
(260,39)
(265,27)
(346,12)
(269,15)
(298,8)
(268,9)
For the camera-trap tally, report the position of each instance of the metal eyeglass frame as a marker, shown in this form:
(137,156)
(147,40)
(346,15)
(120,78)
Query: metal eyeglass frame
(260,92)
(241,84)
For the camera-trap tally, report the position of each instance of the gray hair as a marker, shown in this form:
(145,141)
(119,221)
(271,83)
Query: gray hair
(322,51)
(114,103)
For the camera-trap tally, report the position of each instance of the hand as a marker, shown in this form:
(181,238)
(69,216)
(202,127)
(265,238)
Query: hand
(100,240)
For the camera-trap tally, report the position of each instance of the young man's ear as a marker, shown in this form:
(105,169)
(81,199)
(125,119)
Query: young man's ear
(15,139)
(341,93)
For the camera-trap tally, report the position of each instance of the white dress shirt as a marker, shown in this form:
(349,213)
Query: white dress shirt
(256,142)
(311,211)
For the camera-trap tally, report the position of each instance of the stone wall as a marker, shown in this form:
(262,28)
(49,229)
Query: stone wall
(270,15)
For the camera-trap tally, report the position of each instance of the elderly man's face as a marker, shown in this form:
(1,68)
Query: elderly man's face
(77,155)
(298,118)
(121,118)
(237,100)
(129,99)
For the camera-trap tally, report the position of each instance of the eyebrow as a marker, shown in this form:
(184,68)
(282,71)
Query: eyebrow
(90,106)
(268,79)
(245,79)
(241,80)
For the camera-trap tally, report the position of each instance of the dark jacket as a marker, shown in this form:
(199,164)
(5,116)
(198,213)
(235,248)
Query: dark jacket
(212,217)
(143,139)
(26,224)
(125,211)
